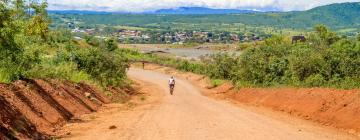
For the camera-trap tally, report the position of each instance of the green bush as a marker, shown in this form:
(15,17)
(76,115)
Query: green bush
(315,81)
(94,41)
(63,70)
(327,37)
(221,66)
(102,66)
(262,66)
(306,61)
(30,49)
(20,38)
(8,74)
(344,58)
(111,44)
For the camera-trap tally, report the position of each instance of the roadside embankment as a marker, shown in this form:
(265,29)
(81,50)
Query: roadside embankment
(329,107)
(35,109)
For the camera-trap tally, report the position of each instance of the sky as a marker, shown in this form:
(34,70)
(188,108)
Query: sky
(153,5)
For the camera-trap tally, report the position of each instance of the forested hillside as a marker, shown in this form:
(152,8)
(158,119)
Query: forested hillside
(335,16)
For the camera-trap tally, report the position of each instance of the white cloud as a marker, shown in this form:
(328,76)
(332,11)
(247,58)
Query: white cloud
(150,5)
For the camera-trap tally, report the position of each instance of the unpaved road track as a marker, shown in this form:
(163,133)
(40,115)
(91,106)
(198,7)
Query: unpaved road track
(188,115)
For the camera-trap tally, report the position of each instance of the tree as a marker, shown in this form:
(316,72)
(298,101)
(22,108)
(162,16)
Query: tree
(327,37)
(9,49)
(15,38)
(19,8)
(92,41)
(39,23)
(11,52)
(275,40)
(111,44)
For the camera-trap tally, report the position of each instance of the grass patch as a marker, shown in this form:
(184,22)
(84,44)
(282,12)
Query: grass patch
(5,75)
(216,82)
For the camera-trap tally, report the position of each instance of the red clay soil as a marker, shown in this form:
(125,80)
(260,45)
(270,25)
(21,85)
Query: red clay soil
(34,109)
(330,107)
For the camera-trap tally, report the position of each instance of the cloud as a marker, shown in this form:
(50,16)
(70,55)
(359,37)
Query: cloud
(151,5)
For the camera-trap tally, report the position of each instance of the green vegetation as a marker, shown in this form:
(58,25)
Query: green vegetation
(29,49)
(216,82)
(325,60)
(14,34)
(342,17)
(103,66)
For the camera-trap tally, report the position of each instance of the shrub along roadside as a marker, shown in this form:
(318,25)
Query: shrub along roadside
(77,64)
(102,66)
(29,49)
(324,61)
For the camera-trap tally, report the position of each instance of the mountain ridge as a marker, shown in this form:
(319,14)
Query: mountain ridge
(180,11)
(340,16)
(202,10)
(205,10)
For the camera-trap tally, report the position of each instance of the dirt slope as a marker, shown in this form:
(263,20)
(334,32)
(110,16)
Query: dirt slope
(34,109)
(329,107)
(190,115)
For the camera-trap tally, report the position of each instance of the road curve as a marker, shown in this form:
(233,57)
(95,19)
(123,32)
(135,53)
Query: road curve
(188,115)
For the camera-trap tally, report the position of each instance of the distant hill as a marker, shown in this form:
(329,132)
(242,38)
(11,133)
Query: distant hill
(200,10)
(76,12)
(180,11)
(342,15)
(335,15)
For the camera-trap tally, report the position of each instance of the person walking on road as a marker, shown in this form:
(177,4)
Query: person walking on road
(172,84)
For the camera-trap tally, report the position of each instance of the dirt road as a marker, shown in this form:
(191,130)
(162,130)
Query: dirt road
(188,115)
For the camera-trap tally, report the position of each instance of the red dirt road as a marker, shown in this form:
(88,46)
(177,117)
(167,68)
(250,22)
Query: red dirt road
(188,115)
